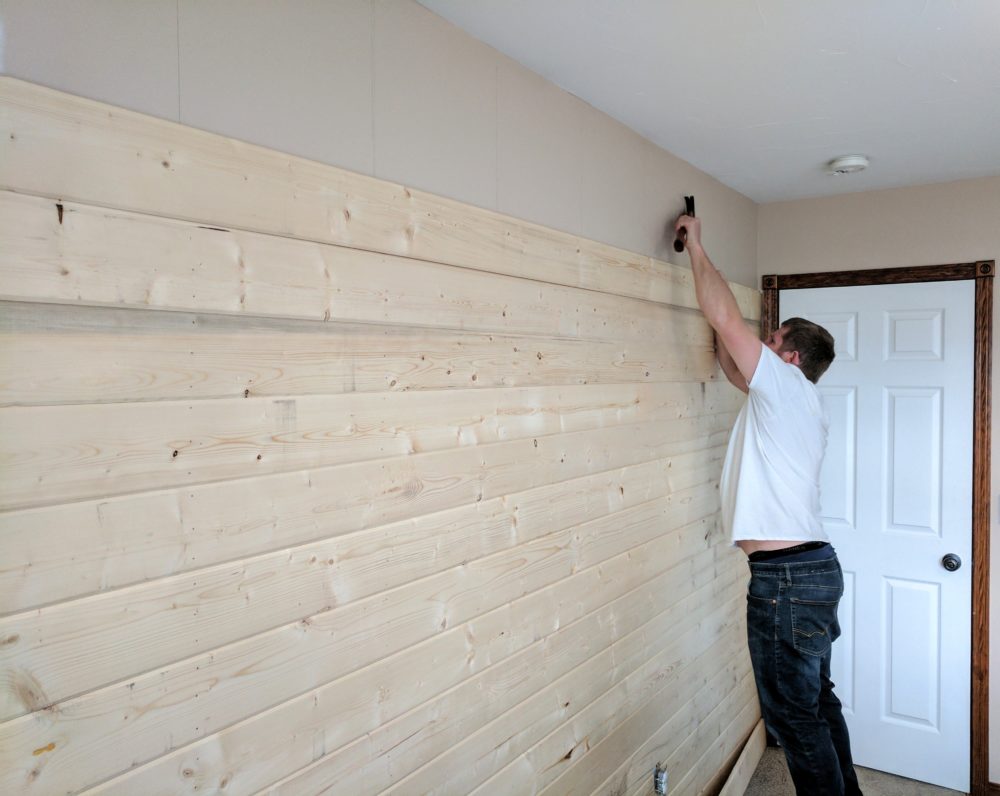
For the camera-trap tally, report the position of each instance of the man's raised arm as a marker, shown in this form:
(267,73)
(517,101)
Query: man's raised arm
(719,305)
(729,366)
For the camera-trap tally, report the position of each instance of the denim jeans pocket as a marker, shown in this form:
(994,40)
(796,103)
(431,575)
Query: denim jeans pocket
(814,619)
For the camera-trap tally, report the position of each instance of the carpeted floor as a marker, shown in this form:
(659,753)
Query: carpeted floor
(772,779)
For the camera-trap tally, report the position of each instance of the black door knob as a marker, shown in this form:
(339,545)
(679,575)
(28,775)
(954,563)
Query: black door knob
(951,562)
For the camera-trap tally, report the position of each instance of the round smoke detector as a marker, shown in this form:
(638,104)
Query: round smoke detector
(848,164)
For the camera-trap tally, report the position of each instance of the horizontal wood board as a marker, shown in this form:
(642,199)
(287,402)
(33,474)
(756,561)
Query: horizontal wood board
(313,483)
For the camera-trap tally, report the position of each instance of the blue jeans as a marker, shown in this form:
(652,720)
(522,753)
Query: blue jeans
(791,626)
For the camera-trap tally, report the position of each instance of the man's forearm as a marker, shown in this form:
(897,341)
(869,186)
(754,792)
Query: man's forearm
(716,300)
(719,306)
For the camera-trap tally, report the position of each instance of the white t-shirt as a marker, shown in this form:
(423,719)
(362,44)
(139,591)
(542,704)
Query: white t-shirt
(770,481)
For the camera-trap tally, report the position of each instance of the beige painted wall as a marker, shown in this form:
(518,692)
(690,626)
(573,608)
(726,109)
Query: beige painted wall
(384,88)
(926,225)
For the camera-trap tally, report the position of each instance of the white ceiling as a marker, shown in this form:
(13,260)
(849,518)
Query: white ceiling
(762,94)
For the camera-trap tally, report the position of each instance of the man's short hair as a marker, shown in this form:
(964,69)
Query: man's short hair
(814,344)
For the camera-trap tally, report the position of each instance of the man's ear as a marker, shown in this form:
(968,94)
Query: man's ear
(791,357)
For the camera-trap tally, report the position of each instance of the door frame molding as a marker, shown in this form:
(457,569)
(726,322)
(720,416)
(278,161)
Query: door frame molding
(982,272)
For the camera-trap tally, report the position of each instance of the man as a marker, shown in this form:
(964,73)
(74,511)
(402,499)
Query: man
(770,506)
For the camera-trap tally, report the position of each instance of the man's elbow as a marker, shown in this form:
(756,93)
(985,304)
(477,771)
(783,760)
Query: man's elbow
(729,326)
(720,313)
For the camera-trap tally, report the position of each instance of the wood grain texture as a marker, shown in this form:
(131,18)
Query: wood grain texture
(311,483)
(746,764)
(538,650)
(243,755)
(368,765)
(676,667)
(167,708)
(82,548)
(121,159)
(433,776)
(769,313)
(87,255)
(717,735)
(981,498)
(55,454)
(68,354)
(151,625)
(874,276)
(715,689)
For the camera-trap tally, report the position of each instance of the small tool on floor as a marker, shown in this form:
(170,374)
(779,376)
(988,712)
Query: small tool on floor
(681,238)
(660,780)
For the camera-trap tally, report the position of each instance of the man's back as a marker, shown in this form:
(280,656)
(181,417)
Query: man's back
(770,481)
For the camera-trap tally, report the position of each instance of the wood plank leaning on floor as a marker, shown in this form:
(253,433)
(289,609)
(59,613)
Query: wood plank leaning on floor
(310,481)
(739,778)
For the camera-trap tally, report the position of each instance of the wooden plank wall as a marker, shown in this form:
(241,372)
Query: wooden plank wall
(311,483)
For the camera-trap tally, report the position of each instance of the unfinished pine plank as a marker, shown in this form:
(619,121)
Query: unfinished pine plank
(360,563)
(135,630)
(539,758)
(684,706)
(55,454)
(721,754)
(725,749)
(689,776)
(665,651)
(668,742)
(716,738)
(54,553)
(719,691)
(464,716)
(265,748)
(68,354)
(83,254)
(376,761)
(710,729)
(170,707)
(78,150)
(452,562)
(743,771)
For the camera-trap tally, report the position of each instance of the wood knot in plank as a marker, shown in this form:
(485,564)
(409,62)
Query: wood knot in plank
(43,749)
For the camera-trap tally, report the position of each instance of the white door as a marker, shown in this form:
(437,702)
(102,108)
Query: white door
(896,499)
